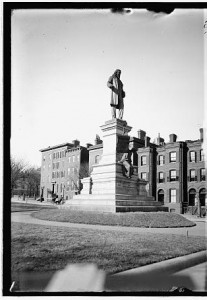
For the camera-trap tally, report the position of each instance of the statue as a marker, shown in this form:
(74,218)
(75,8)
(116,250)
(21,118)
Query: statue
(127,162)
(117,94)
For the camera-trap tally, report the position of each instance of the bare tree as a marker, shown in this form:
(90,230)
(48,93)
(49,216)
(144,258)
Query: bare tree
(32,180)
(17,171)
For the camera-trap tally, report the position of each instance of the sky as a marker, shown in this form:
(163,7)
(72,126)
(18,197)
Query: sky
(61,62)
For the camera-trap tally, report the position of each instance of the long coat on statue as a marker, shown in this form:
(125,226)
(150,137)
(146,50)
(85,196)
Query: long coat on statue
(117,93)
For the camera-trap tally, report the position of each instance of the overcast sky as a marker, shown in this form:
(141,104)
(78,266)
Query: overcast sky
(62,59)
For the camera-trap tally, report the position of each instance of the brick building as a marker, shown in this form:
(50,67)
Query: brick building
(62,167)
(175,170)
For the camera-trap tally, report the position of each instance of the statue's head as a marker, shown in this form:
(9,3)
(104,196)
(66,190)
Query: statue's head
(117,72)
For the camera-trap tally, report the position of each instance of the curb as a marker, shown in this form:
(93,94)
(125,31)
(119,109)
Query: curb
(169,266)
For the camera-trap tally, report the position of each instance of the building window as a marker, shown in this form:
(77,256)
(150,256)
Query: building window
(173,195)
(69,159)
(172,156)
(203,174)
(172,175)
(78,157)
(53,174)
(161,160)
(144,175)
(97,157)
(43,158)
(57,188)
(57,165)
(68,171)
(193,176)
(161,177)
(143,160)
(192,156)
(50,156)
(201,155)
(73,158)
(53,155)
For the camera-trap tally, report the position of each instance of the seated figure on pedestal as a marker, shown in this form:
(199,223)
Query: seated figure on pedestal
(127,163)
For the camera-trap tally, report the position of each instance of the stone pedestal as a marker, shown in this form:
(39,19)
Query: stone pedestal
(108,189)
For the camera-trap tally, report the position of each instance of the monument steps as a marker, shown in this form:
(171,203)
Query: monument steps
(137,203)
(114,202)
(114,209)
(141,208)
(113,197)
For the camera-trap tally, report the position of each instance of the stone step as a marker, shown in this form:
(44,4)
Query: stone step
(98,208)
(141,208)
(114,209)
(113,197)
(137,203)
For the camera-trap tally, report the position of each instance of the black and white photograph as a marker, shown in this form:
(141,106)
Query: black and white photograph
(107,150)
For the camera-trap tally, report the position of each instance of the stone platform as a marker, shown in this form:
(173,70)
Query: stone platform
(107,189)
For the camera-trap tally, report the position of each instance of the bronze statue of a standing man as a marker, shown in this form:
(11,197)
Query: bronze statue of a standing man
(117,94)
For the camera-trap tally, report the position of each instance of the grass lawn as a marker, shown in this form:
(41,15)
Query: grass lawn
(136,219)
(37,248)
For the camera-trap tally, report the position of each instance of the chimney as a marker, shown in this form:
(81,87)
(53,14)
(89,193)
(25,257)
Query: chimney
(173,138)
(98,140)
(141,134)
(158,139)
(147,141)
(201,134)
(76,143)
(88,145)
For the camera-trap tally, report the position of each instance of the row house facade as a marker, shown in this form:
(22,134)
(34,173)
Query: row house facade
(175,171)
(180,179)
(61,169)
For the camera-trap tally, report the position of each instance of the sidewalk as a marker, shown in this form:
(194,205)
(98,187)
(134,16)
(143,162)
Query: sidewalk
(198,230)
(194,218)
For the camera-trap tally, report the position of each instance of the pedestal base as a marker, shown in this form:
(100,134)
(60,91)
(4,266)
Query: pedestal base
(107,189)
